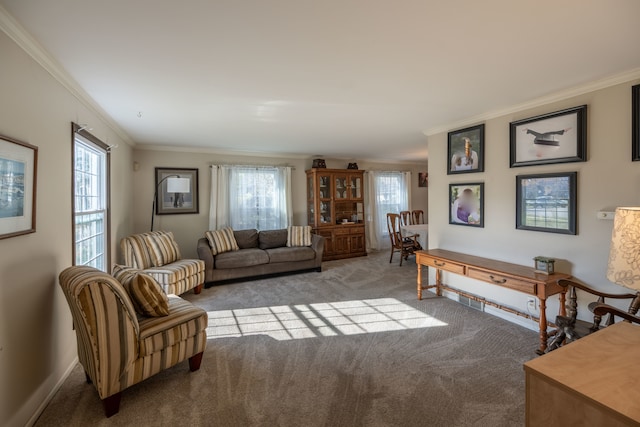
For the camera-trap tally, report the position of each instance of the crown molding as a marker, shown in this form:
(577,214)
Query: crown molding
(562,95)
(16,32)
(219,151)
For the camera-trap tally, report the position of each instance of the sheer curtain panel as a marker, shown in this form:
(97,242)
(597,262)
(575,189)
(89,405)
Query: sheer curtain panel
(245,197)
(386,192)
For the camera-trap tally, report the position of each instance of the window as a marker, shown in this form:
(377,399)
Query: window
(90,203)
(247,197)
(386,192)
(391,193)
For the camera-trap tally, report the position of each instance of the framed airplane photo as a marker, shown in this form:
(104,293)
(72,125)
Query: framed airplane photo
(559,137)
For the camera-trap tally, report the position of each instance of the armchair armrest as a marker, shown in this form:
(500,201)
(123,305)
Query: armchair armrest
(565,283)
(602,309)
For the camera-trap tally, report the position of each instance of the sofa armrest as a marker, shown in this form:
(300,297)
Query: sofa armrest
(317,244)
(204,253)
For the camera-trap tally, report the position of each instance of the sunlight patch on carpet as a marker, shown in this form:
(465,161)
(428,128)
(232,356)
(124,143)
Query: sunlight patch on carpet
(288,322)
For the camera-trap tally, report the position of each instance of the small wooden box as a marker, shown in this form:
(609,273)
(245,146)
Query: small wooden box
(544,264)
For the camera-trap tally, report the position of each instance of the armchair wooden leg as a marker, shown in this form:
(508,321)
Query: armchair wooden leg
(197,289)
(112,404)
(194,361)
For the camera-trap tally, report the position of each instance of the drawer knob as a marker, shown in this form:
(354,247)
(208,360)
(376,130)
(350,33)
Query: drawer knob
(439,264)
(494,280)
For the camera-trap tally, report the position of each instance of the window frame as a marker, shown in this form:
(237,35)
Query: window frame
(79,130)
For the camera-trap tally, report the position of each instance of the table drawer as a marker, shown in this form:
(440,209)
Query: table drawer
(442,265)
(506,281)
(341,230)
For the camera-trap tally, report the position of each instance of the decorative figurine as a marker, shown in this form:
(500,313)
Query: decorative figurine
(352,166)
(319,163)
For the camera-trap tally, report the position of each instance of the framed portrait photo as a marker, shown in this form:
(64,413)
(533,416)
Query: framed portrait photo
(559,137)
(466,204)
(635,123)
(466,150)
(177,191)
(423,179)
(547,202)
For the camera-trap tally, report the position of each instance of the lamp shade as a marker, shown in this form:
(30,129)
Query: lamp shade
(178,185)
(624,255)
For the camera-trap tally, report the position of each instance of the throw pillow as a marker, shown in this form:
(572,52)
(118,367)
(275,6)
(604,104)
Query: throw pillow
(148,297)
(125,275)
(299,235)
(222,240)
(162,248)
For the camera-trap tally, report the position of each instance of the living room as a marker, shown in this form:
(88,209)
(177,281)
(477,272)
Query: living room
(594,63)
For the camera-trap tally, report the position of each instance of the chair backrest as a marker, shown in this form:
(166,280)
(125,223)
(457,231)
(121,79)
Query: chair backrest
(393,227)
(405,218)
(418,216)
(152,249)
(106,325)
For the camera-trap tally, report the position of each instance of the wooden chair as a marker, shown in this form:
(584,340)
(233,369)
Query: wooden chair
(405,218)
(417,216)
(570,328)
(407,245)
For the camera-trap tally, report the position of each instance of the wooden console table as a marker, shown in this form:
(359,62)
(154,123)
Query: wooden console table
(590,382)
(511,276)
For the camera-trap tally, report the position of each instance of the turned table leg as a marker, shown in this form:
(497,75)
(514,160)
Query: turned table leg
(543,326)
(438,282)
(419,281)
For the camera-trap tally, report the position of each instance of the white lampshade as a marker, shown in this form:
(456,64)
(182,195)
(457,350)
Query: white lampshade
(178,185)
(624,255)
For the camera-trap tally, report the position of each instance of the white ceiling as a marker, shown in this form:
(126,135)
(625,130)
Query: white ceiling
(339,78)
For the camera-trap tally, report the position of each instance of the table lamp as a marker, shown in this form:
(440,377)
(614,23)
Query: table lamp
(624,254)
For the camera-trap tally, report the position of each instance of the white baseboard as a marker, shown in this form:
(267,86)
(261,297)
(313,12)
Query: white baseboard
(52,393)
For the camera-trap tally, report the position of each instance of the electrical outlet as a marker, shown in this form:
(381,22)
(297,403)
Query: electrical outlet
(532,307)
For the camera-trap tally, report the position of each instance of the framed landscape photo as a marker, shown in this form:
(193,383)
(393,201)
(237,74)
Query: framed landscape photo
(547,202)
(177,191)
(18,172)
(635,122)
(466,150)
(559,137)
(466,204)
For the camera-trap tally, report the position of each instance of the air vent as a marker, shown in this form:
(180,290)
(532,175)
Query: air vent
(471,303)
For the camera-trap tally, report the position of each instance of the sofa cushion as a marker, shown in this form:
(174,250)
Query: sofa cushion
(185,321)
(240,259)
(221,240)
(301,253)
(298,235)
(163,249)
(273,238)
(246,239)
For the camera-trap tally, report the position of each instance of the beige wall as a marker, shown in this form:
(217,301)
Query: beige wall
(37,344)
(189,228)
(607,179)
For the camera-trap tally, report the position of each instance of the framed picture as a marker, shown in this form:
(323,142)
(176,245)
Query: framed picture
(559,137)
(18,172)
(635,122)
(547,202)
(423,179)
(466,150)
(177,191)
(466,204)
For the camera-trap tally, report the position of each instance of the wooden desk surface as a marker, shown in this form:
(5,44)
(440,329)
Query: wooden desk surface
(601,367)
(517,270)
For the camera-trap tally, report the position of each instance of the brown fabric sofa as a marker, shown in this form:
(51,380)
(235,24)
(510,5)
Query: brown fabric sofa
(261,253)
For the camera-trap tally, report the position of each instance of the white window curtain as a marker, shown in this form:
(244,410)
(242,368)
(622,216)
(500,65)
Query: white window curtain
(386,192)
(245,197)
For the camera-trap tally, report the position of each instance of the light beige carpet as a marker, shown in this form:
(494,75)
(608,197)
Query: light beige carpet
(350,346)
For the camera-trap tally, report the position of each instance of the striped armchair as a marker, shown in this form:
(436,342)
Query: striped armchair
(157,254)
(116,347)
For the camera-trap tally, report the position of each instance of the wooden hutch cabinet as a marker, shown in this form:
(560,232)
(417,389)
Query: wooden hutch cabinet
(335,210)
